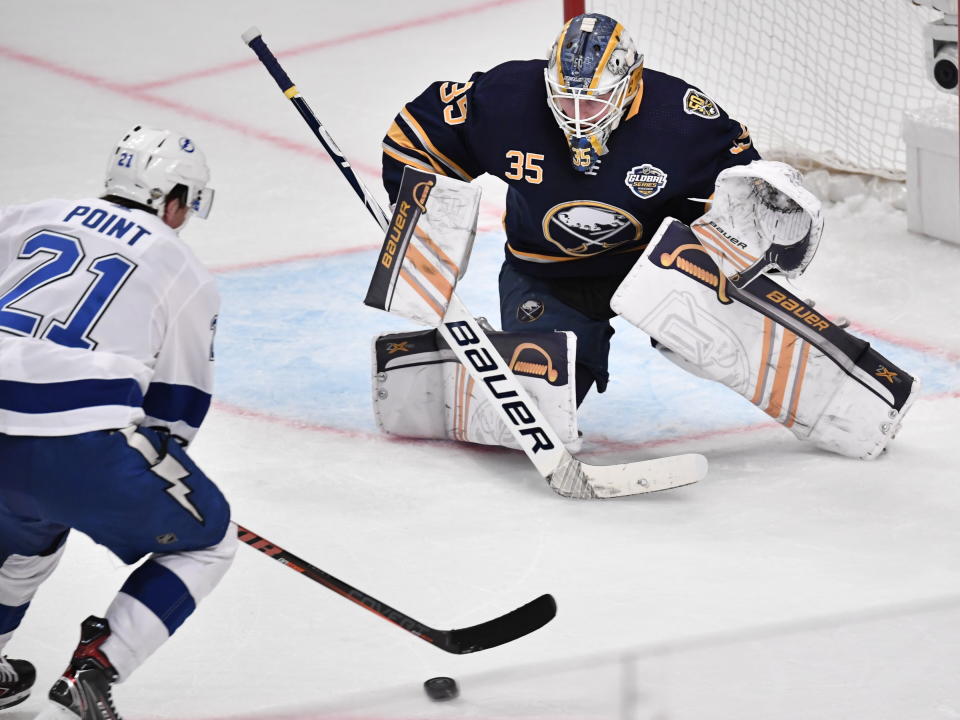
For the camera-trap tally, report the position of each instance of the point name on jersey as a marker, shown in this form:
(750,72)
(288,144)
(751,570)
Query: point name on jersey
(107,223)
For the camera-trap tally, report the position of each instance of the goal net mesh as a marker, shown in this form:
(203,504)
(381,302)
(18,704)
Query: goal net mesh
(819,83)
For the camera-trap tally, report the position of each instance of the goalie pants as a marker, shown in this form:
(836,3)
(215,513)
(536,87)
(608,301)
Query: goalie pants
(135,491)
(580,305)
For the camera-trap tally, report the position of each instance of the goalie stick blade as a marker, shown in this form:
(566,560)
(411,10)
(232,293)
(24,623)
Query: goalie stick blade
(575,479)
(506,628)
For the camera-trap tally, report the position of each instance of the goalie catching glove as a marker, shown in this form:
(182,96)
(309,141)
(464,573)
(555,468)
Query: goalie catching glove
(761,219)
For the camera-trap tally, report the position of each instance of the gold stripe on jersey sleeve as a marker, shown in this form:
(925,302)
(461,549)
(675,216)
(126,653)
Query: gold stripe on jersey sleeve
(406,159)
(400,138)
(431,148)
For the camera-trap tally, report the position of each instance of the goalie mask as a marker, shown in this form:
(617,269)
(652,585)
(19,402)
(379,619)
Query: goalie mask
(148,163)
(593,74)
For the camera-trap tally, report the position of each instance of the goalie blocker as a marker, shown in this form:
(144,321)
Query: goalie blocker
(421,390)
(819,381)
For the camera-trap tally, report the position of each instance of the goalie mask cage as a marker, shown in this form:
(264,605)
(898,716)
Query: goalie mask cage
(820,83)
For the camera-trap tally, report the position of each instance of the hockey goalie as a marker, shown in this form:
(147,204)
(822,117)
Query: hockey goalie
(706,295)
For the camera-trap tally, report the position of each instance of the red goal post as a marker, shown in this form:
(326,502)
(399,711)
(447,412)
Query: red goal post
(821,83)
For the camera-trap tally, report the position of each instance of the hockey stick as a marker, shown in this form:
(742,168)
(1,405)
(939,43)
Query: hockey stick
(565,474)
(515,624)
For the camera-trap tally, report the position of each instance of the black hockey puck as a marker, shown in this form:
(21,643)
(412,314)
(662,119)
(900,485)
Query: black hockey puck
(441,688)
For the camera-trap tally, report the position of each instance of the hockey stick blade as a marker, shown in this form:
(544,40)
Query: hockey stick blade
(576,479)
(506,628)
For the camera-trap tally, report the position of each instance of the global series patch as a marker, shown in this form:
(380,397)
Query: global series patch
(696,103)
(645,180)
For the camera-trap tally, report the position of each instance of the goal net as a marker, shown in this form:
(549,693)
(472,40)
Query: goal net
(820,83)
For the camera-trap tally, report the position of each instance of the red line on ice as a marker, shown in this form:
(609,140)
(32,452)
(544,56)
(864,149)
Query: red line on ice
(331,42)
(256,264)
(134,92)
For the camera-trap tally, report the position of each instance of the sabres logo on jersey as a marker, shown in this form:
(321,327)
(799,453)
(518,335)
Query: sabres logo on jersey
(696,103)
(645,180)
(586,227)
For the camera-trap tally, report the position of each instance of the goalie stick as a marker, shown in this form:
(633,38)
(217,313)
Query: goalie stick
(565,474)
(515,624)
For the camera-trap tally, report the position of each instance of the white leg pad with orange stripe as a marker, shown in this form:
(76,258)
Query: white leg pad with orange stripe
(816,379)
(421,390)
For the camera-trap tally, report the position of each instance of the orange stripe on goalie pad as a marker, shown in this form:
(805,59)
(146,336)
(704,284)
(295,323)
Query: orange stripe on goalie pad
(468,396)
(743,254)
(764,360)
(429,271)
(412,282)
(783,374)
(712,239)
(458,405)
(798,385)
(438,251)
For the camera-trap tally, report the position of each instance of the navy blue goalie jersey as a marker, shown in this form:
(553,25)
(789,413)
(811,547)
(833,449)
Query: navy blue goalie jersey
(672,143)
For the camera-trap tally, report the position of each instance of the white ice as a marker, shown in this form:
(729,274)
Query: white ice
(788,584)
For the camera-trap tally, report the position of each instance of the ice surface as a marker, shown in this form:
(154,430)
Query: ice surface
(788,584)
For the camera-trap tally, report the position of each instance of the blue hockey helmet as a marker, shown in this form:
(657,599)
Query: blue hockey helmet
(593,74)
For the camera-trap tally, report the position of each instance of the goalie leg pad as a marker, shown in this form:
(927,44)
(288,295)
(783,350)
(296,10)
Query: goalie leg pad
(819,381)
(421,390)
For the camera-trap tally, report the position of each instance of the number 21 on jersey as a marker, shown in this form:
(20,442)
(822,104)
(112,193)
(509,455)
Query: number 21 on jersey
(63,256)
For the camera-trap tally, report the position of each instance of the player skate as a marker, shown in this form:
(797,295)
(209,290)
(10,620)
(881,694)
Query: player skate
(16,679)
(83,691)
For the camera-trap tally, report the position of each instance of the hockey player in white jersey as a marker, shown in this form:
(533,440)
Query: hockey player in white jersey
(106,359)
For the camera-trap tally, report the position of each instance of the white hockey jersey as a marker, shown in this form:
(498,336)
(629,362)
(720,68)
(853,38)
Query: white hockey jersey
(106,320)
